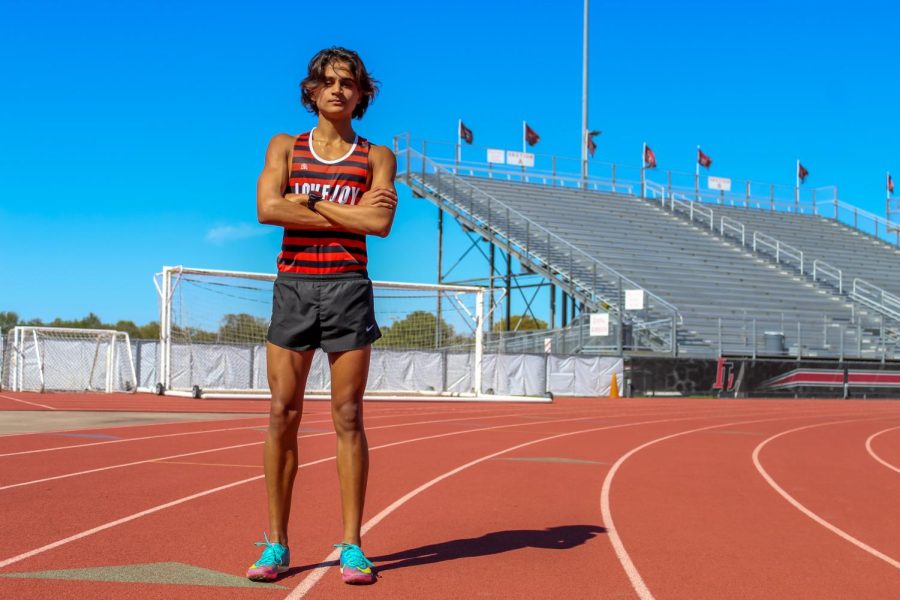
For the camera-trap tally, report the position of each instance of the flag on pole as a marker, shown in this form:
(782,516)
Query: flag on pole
(703,160)
(890,184)
(649,157)
(802,173)
(531,136)
(591,144)
(465,133)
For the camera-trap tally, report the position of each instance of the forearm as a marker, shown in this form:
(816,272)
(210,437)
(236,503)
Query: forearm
(367,220)
(285,213)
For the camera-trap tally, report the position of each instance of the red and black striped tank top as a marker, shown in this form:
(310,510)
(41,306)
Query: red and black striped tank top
(345,180)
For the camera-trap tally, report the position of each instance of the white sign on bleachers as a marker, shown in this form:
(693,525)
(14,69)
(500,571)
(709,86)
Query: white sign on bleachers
(719,183)
(634,299)
(523,159)
(599,324)
(496,156)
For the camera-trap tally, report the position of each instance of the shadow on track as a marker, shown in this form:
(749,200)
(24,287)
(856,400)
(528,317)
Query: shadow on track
(563,537)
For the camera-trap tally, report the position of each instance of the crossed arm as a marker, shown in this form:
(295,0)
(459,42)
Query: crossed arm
(373,215)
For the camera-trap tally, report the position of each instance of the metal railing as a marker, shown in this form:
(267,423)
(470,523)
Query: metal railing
(781,250)
(822,271)
(731,225)
(798,339)
(875,297)
(694,210)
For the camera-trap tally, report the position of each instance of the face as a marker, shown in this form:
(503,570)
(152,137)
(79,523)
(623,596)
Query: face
(339,94)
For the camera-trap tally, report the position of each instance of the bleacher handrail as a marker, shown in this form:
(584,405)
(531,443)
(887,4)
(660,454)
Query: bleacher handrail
(692,207)
(539,175)
(733,225)
(822,267)
(875,297)
(780,248)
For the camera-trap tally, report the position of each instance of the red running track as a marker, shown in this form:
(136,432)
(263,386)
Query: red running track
(582,498)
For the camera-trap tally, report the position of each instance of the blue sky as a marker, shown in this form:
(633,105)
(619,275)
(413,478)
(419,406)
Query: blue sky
(131,134)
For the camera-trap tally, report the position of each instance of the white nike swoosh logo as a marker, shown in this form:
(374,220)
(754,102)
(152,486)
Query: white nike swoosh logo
(369,328)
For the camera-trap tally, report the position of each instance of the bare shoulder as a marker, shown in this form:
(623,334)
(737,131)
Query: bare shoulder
(281,142)
(382,155)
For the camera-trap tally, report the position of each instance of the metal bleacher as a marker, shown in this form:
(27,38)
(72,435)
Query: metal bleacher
(852,264)
(708,289)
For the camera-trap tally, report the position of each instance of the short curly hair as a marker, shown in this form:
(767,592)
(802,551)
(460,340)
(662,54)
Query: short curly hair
(315,78)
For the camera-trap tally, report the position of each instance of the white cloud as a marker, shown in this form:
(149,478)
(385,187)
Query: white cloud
(230,233)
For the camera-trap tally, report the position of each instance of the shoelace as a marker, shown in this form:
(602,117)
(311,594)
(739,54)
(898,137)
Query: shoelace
(352,556)
(270,555)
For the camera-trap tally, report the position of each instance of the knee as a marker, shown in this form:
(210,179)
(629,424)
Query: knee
(347,417)
(284,414)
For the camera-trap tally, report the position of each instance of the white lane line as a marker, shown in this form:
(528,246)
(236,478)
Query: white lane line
(872,452)
(155,509)
(637,582)
(27,402)
(223,448)
(180,433)
(198,452)
(796,504)
(316,574)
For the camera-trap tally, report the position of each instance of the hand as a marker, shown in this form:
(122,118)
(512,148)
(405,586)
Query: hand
(380,197)
(300,199)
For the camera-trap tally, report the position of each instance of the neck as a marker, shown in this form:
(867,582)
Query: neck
(331,131)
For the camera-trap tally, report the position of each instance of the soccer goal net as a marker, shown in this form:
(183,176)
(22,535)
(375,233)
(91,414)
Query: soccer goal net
(45,359)
(214,324)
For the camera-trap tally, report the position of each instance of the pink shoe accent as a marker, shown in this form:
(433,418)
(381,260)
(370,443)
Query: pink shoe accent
(265,572)
(357,577)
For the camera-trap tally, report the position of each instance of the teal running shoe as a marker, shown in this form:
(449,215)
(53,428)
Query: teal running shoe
(275,560)
(356,569)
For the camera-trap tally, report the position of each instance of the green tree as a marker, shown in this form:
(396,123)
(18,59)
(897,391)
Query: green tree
(8,320)
(91,321)
(128,327)
(417,331)
(150,331)
(520,323)
(242,327)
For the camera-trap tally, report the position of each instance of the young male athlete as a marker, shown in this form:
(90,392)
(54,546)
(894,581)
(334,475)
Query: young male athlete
(329,189)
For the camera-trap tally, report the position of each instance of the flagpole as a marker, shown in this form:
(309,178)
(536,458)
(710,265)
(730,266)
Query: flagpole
(458,142)
(524,125)
(643,166)
(797,188)
(584,98)
(697,175)
(887,197)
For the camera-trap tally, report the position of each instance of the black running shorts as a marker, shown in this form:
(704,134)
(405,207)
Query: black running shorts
(333,312)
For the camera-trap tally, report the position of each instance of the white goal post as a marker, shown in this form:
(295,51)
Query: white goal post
(213,326)
(45,359)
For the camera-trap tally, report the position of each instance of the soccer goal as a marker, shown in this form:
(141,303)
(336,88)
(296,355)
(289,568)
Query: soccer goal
(214,324)
(45,359)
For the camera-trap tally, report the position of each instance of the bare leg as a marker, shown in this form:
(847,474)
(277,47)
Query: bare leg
(287,371)
(349,372)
